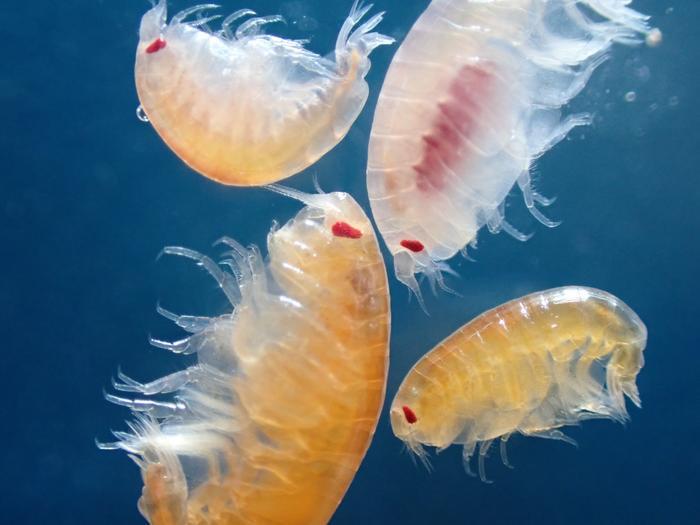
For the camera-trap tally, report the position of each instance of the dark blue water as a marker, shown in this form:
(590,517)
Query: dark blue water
(89,195)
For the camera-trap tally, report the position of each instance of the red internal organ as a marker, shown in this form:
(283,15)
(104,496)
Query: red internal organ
(445,146)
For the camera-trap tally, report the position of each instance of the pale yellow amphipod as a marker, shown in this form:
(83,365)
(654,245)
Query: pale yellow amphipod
(531,366)
(246,108)
(271,424)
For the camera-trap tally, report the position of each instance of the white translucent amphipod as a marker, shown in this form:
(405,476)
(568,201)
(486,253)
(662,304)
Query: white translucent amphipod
(472,97)
(245,108)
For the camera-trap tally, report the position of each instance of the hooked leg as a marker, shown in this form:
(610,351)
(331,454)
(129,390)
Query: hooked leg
(465,253)
(181,346)
(467,453)
(157,409)
(497,223)
(554,434)
(164,385)
(504,452)
(253,26)
(179,18)
(230,19)
(529,197)
(483,452)
(225,281)
(191,323)
(514,232)
(193,343)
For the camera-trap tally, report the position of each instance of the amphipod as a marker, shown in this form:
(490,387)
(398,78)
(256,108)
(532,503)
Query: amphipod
(272,422)
(472,97)
(245,108)
(531,365)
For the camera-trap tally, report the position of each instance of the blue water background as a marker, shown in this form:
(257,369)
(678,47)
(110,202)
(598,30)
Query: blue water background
(89,195)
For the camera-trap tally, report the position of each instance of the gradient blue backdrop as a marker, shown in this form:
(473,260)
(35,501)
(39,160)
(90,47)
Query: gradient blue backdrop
(89,195)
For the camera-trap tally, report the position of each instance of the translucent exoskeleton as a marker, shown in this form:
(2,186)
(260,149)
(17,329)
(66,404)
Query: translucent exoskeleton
(531,366)
(472,98)
(272,422)
(246,108)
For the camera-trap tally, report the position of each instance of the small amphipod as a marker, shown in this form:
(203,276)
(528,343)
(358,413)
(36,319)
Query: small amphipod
(272,422)
(531,365)
(245,108)
(472,97)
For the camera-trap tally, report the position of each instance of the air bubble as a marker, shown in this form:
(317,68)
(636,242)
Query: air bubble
(630,96)
(141,114)
(654,37)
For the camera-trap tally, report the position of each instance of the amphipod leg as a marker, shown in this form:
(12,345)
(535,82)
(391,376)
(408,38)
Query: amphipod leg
(497,223)
(157,409)
(467,453)
(526,189)
(193,343)
(190,323)
(179,17)
(494,222)
(230,19)
(509,228)
(483,452)
(463,251)
(554,434)
(504,450)
(225,281)
(252,27)
(515,233)
(203,21)
(164,385)
(541,199)
(181,346)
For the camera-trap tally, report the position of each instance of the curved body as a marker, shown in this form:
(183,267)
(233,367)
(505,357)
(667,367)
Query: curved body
(472,97)
(245,108)
(531,365)
(271,424)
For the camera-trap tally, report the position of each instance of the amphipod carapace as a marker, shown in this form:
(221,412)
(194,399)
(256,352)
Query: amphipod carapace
(246,108)
(472,98)
(272,422)
(529,366)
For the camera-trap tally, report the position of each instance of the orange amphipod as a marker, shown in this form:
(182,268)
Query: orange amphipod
(531,366)
(246,108)
(271,424)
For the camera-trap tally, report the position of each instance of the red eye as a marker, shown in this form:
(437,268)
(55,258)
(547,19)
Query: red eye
(413,245)
(155,46)
(343,229)
(409,414)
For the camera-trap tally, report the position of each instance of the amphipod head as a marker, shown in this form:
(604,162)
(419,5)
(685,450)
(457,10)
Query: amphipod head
(412,260)
(407,424)
(337,206)
(153,22)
